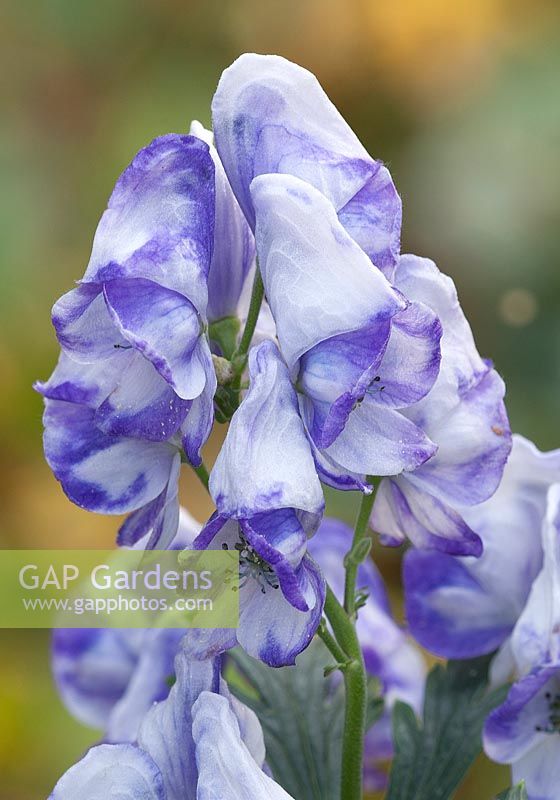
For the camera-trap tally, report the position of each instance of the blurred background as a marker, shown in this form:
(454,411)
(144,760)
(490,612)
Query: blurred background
(460,99)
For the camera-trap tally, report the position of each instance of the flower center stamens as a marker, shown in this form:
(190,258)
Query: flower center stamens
(253,567)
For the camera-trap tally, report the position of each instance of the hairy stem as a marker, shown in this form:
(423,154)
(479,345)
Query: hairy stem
(332,645)
(358,552)
(203,476)
(355,683)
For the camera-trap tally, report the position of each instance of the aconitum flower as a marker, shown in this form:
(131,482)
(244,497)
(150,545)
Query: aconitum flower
(461,607)
(272,116)
(142,302)
(198,744)
(109,678)
(389,656)
(357,352)
(269,501)
(106,472)
(463,414)
(524,731)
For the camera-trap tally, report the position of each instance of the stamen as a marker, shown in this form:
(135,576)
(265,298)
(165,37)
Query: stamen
(253,567)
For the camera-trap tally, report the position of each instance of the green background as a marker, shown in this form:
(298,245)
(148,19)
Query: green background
(460,99)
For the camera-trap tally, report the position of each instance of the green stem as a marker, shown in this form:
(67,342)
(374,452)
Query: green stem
(355,683)
(202,473)
(253,314)
(332,645)
(354,557)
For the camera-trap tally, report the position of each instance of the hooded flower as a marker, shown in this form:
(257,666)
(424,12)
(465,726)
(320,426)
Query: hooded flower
(356,350)
(107,472)
(142,303)
(525,730)
(388,654)
(463,414)
(461,607)
(272,116)
(269,501)
(198,744)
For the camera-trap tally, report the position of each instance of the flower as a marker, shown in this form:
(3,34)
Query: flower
(463,414)
(524,730)
(269,501)
(105,472)
(356,351)
(142,302)
(461,607)
(272,116)
(109,678)
(389,656)
(198,744)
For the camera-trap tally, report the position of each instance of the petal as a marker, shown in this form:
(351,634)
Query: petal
(474,442)
(379,441)
(92,669)
(164,326)
(159,223)
(400,510)
(166,733)
(84,327)
(331,473)
(535,638)
(149,683)
(540,769)
(107,474)
(279,538)
(373,219)
(270,628)
(511,729)
(225,765)
(265,462)
(112,770)
(270,115)
(160,518)
(335,374)
(86,384)
(142,405)
(461,366)
(234,244)
(317,280)
(198,425)
(449,612)
(411,362)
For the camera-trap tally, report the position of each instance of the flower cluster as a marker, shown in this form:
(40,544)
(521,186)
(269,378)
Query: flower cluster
(254,276)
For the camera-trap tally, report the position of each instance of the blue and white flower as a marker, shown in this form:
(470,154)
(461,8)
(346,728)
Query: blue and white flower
(198,744)
(269,502)
(272,116)
(525,730)
(461,607)
(463,414)
(356,350)
(109,678)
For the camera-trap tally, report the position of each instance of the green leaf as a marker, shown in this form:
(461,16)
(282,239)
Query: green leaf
(518,792)
(302,718)
(433,756)
(225,332)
